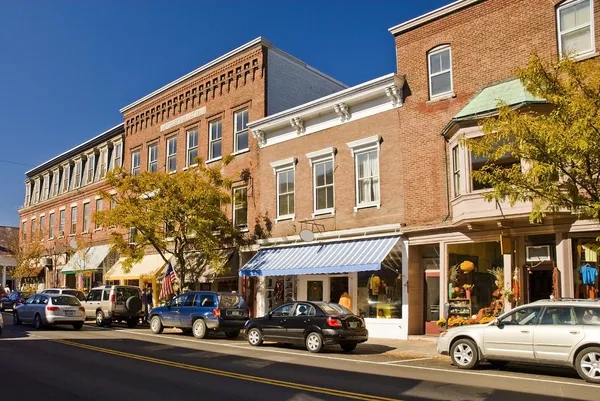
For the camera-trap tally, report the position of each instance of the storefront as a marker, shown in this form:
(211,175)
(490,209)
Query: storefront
(366,275)
(85,269)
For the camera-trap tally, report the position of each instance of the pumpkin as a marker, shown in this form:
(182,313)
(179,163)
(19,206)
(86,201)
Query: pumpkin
(467,266)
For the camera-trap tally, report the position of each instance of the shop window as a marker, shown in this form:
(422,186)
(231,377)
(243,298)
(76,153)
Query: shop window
(585,272)
(380,294)
(314,291)
(575,28)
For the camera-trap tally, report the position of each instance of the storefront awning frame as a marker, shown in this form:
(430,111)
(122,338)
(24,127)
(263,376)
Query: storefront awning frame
(88,259)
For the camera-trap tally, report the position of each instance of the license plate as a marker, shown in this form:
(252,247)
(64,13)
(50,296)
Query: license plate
(236,313)
(353,325)
(69,313)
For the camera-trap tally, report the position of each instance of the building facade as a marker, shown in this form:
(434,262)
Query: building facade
(8,239)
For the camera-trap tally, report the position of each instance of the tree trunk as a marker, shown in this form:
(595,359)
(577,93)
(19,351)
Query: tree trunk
(181,275)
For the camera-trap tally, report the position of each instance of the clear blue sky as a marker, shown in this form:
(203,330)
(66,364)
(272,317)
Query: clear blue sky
(66,67)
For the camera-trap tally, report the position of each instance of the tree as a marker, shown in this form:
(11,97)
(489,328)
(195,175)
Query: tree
(559,143)
(174,214)
(27,254)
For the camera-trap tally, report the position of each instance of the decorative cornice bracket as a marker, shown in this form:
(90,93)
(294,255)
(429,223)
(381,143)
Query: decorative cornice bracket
(297,123)
(342,110)
(259,135)
(395,94)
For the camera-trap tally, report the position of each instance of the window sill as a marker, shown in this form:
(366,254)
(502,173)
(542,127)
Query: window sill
(85,232)
(324,212)
(72,235)
(291,217)
(216,159)
(439,98)
(586,56)
(241,151)
(97,229)
(243,229)
(192,166)
(367,206)
(174,171)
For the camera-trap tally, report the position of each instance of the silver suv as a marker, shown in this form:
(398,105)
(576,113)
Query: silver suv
(68,291)
(114,303)
(551,332)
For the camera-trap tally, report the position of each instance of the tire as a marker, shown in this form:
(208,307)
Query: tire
(78,326)
(587,364)
(100,320)
(199,328)
(16,320)
(156,325)
(232,334)
(132,323)
(255,337)
(498,364)
(133,305)
(37,322)
(348,346)
(314,342)
(186,331)
(464,354)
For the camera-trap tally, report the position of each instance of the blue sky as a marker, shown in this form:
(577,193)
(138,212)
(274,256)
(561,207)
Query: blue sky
(66,67)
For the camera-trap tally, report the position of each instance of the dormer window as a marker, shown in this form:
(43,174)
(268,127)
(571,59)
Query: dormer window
(91,166)
(66,178)
(440,72)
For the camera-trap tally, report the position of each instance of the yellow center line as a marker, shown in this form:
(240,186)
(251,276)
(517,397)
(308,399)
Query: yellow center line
(239,376)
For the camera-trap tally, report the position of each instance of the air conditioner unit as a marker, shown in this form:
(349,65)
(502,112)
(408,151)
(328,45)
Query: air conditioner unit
(539,253)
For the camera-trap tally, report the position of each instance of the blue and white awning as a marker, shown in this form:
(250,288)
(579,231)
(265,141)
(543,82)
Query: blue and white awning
(321,258)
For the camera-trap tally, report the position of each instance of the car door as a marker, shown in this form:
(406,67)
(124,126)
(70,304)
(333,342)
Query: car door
(302,317)
(26,312)
(274,325)
(170,317)
(92,303)
(512,338)
(557,333)
(186,309)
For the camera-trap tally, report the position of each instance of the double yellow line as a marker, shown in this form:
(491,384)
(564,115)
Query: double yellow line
(223,373)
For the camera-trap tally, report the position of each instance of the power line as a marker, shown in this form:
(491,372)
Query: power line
(17,163)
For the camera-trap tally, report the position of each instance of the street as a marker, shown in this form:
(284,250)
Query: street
(126,363)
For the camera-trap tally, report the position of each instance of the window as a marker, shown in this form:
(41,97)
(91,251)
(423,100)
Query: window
(240,129)
(86,217)
(90,168)
(103,163)
(240,207)
(95,295)
(61,223)
(66,173)
(456,170)
(588,316)
(33,228)
(27,194)
(132,235)
(202,300)
(99,207)
(440,72)
(42,227)
(560,315)
(323,180)
(522,317)
(575,28)
(153,158)
(283,310)
(76,175)
(215,134)
(135,163)
(36,191)
(192,147)
(367,178)
(106,295)
(305,310)
(480,163)
(172,154)
(118,152)
(51,227)
(73,220)
(56,183)
(46,187)
(24,230)
(285,193)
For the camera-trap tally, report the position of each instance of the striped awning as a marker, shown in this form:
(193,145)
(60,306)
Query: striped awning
(86,259)
(321,258)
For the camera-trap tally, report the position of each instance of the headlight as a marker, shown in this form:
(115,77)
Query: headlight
(443,333)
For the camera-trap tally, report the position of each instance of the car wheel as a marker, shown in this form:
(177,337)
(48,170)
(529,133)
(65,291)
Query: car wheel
(37,322)
(186,331)
(498,364)
(199,328)
(464,354)
(100,322)
(78,326)
(232,334)
(314,342)
(255,337)
(348,346)
(16,319)
(156,325)
(131,323)
(587,364)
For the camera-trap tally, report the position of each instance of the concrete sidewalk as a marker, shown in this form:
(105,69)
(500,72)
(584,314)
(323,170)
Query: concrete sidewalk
(414,347)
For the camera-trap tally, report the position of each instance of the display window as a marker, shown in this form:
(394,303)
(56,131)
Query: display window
(380,294)
(585,268)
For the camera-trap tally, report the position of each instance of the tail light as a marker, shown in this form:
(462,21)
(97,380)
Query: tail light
(81,308)
(333,322)
(52,308)
(113,298)
(217,312)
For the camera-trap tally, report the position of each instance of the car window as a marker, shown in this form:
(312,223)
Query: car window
(205,300)
(13,296)
(78,294)
(124,293)
(342,310)
(333,309)
(179,300)
(106,295)
(95,295)
(304,310)
(522,317)
(588,316)
(31,300)
(230,301)
(283,310)
(189,300)
(65,300)
(42,300)
(51,292)
(559,315)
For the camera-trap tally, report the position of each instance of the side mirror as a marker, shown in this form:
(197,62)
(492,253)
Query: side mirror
(496,322)
(270,314)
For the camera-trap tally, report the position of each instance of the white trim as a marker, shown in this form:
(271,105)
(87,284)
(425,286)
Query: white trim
(364,144)
(559,33)
(168,140)
(432,15)
(51,211)
(321,155)
(241,152)
(283,164)
(74,204)
(62,208)
(42,214)
(86,200)
(182,119)
(284,168)
(216,159)
(150,161)
(430,75)
(237,132)
(215,123)
(321,158)
(97,197)
(287,217)
(187,146)
(139,166)
(323,212)
(368,147)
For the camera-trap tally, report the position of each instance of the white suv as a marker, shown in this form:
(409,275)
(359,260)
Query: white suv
(68,291)
(551,332)
(114,303)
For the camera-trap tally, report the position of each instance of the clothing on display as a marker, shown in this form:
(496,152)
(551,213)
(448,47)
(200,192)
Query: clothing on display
(590,252)
(588,274)
(373,284)
(345,301)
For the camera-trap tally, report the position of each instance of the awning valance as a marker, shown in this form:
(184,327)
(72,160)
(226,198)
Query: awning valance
(321,258)
(86,259)
(150,265)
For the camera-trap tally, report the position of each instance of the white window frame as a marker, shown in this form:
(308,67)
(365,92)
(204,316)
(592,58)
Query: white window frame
(243,227)
(171,156)
(51,225)
(102,163)
(117,155)
(455,163)
(42,226)
(46,187)
(76,182)
(188,162)
(90,168)
(559,31)
(66,179)
(28,194)
(439,49)
(214,123)
(318,157)
(284,166)
(36,191)
(152,162)
(33,228)
(237,131)
(62,221)
(98,208)
(55,183)
(135,167)
(73,227)
(86,217)
(358,147)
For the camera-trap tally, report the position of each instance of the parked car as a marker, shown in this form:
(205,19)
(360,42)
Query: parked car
(551,332)
(69,291)
(114,303)
(312,324)
(200,311)
(12,300)
(50,309)
(1,324)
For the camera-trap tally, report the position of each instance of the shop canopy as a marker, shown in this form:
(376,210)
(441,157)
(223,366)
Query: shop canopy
(321,258)
(86,259)
(149,266)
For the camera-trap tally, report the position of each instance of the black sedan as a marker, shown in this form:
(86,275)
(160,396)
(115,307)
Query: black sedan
(312,324)
(12,300)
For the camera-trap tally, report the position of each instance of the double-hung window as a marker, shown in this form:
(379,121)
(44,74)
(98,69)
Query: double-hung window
(51,226)
(215,135)
(66,177)
(45,187)
(240,134)
(240,207)
(24,230)
(36,191)
(56,183)
(33,229)
(73,220)
(42,227)
(91,165)
(99,207)
(323,186)
(576,28)
(77,175)
(172,154)
(285,193)
(135,162)
(86,217)
(153,158)
(367,177)
(61,223)
(103,163)
(456,170)
(440,71)
(27,194)
(118,152)
(192,147)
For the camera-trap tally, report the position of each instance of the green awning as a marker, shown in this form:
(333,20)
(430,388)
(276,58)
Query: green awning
(86,259)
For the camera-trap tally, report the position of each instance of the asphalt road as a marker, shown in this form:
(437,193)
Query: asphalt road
(119,363)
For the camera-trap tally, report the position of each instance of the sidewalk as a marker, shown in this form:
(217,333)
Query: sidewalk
(414,347)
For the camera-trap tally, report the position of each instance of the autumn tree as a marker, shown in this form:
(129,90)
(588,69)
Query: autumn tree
(174,214)
(28,254)
(559,143)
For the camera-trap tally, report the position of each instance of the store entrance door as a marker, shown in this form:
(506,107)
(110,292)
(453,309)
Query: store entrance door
(314,290)
(540,285)
(338,285)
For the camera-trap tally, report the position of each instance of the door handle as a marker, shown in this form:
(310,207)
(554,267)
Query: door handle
(525,331)
(574,332)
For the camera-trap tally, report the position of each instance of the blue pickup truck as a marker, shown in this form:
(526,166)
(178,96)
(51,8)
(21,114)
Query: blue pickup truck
(200,311)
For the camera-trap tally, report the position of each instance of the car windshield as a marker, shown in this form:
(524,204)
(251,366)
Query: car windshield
(333,309)
(124,293)
(230,301)
(78,294)
(65,300)
(15,295)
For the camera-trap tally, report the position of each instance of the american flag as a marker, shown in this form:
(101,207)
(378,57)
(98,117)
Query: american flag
(167,284)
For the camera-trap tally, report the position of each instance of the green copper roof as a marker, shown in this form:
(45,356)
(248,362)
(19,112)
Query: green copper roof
(510,92)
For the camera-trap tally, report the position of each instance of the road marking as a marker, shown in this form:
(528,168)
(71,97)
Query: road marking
(223,373)
(405,360)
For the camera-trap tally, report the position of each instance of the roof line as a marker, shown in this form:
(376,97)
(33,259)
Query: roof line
(432,15)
